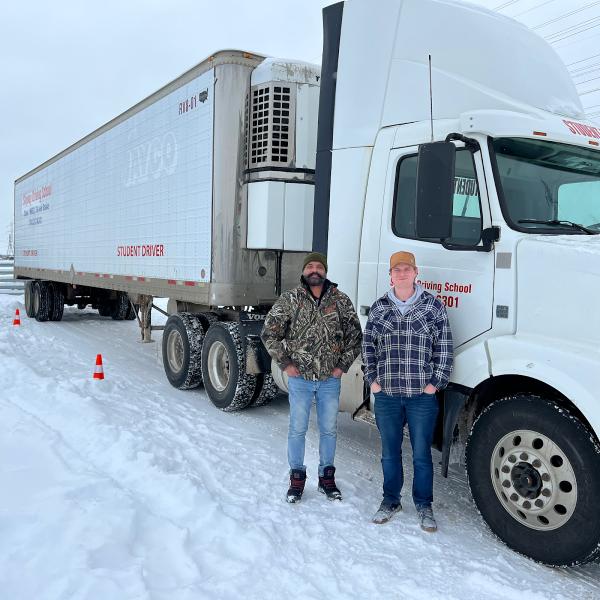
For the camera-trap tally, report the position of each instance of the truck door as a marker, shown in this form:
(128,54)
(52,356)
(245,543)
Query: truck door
(462,277)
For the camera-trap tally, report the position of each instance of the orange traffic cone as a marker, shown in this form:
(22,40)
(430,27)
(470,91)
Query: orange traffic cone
(17,319)
(99,372)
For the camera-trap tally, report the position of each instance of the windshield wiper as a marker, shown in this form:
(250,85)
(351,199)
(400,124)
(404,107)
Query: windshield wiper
(558,223)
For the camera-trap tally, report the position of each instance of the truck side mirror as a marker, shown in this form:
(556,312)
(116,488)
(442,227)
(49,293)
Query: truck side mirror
(435,190)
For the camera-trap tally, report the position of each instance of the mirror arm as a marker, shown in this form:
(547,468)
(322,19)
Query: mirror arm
(488,236)
(470,143)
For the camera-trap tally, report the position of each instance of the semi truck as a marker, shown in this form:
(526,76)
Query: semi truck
(431,126)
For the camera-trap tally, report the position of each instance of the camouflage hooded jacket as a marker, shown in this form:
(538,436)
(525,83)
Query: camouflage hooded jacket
(314,335)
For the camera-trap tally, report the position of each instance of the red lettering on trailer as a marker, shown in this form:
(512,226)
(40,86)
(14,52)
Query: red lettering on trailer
(36,195)
(153,250)
(141,250)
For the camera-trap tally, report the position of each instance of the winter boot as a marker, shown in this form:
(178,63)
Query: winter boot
(426,519)
(327,484)
(386,512)
(297,481)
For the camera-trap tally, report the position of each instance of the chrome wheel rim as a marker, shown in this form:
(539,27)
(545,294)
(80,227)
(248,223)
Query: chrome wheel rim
(534,480)
(218,366)
(175,351)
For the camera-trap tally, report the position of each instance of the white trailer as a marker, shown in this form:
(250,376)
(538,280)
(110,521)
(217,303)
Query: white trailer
(201,193)
(444,129)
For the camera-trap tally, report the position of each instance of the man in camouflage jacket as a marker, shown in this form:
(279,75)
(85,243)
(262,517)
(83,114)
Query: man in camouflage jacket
(314,335)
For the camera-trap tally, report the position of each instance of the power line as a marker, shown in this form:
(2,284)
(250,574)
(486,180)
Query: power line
(583,59)
(506,4)
(584,70)
(565,15)
(568,35)
(565,34)
(571,28)
(592,36)
(587,80)
(585,40)
(533,8)
(591,72)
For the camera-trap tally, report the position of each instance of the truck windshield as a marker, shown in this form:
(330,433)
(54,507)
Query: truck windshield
(547,186)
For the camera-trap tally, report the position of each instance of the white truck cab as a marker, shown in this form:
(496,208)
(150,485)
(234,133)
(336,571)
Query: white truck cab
(457,134)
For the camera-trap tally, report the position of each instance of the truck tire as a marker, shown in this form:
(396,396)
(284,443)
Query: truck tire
(533,471)
(41,301)
(227,384)
(58,301)
(120,306)
(266,389)
(28,299)
(207,319)
(182,341)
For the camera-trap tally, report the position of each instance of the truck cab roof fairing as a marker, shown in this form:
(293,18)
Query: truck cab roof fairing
(480,60)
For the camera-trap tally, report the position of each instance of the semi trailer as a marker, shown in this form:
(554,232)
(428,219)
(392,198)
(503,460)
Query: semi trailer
(431,126)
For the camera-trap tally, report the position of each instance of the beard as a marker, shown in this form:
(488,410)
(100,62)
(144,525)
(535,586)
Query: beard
(314,279)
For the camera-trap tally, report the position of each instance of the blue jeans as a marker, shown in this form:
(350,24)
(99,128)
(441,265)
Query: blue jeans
(391,414)
(301,394)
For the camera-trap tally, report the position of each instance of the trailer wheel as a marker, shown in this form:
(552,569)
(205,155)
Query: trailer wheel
(120,306)
(533,471)
(182,341)
(57,301)
(266,389)
(28,299)
(227,384)
(41,301)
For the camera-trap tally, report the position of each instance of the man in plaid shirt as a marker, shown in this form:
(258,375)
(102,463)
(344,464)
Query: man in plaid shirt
(407,352)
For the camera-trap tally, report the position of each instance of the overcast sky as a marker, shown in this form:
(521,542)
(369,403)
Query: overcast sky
(67,66)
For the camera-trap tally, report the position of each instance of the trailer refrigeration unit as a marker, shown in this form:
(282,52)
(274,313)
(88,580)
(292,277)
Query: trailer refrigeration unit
(443,129)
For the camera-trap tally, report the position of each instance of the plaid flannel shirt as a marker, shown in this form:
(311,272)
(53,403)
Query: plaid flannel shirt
(404,353)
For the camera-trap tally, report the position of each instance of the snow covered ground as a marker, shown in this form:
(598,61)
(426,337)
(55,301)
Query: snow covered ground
(129,489)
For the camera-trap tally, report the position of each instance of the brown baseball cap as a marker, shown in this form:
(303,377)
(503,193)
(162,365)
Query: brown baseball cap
(407,258)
